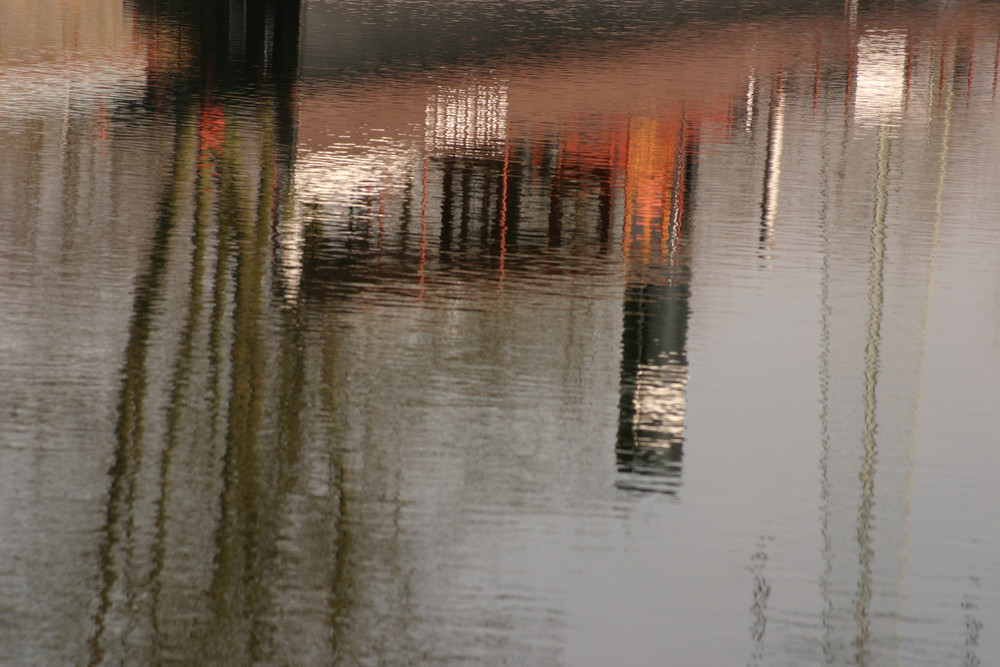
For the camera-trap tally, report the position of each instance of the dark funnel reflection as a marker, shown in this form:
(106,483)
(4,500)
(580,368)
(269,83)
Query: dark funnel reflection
(654,386)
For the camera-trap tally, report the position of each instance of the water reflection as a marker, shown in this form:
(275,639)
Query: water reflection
(191,468)
(377,307)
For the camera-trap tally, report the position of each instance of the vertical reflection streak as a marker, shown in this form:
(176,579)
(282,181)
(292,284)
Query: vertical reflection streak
(243,533)
(338,594)
(182,370)
(772,169)
(826,313)
(876,299)
(503,209)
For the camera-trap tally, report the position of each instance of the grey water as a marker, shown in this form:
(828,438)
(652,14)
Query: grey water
(482,332)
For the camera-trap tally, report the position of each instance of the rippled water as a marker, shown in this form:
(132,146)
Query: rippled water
(533,333)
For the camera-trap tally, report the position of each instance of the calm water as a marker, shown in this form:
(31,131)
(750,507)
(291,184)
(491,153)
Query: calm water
(550,332)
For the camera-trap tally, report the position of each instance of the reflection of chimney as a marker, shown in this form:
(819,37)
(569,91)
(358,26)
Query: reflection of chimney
(654,367)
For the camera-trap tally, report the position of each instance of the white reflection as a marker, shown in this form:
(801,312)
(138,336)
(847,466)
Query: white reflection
(881,78)
(472,117)
(660,403)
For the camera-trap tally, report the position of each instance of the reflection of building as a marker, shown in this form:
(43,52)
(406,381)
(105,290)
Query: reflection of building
(881,79)
(332,356)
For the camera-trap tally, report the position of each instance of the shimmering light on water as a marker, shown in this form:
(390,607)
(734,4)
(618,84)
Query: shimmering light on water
(550,332)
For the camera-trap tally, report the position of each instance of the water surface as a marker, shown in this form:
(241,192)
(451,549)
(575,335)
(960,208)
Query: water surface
(533,333)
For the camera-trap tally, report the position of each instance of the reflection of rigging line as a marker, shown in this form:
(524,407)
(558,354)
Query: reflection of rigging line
(817,72)
(932,264)
(677,194)
(503,210)
(629,205)
(972,66)
(422,272)
(772,168)
(824,377)
(761,594)
(996,67)
(908,76)
(876,298)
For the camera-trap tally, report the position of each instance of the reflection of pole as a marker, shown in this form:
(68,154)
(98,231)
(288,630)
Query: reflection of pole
(856,571)
(183,369)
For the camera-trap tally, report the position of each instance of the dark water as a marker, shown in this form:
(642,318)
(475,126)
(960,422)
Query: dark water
(482,332)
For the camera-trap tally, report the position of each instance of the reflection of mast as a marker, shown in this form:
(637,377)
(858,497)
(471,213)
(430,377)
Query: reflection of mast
(852,580)
(772,168)
(654,368)
(866,476)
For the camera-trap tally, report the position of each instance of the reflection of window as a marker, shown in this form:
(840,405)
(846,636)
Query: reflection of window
(470,117)
(881,78)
